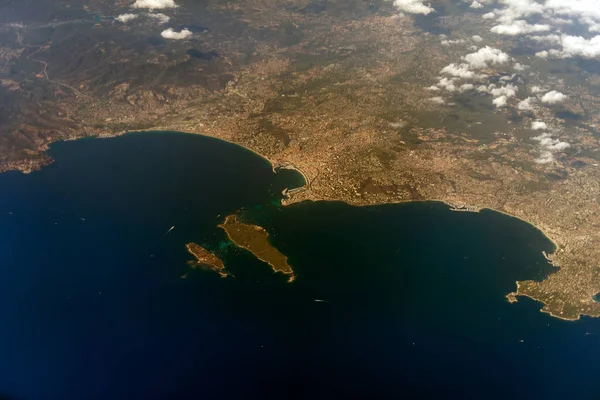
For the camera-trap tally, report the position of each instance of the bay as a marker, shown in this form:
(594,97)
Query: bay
(389,301)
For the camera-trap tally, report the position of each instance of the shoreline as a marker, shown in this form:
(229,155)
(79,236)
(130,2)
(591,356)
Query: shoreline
(513,297)
(161,129)
(289,197)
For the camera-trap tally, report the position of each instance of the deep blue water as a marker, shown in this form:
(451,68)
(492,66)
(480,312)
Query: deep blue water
(92,305)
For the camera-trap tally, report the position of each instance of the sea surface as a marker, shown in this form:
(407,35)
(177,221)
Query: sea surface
(394,301)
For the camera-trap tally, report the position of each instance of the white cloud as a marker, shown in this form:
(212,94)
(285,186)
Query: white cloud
(438,100)
(500,94)
(545,158)
(477,38)
(593,25)
(586,11)
(516,9)
(447,84)
(550,144)
(557,145)
(413,6)
(579,46)
(171,34)
(160,18)
(542,136)
(571,46)
(489,15)
(527,104)
(506,78)
(508,91)
(520,67)
(519,27)
(553,12)
(433,88)
(449,42)
(548,39)
(466,86)
(536,89)
(124,18)
(553,97)
(537,125)
(500,101)
(154,4)
(560,21)
(476,4)
(485,57)
(461,71)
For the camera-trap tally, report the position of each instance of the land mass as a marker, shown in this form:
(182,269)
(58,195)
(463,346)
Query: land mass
(340,89)
(206,259)
(255,239)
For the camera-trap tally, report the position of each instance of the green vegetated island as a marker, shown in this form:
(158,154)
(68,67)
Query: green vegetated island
(252,238)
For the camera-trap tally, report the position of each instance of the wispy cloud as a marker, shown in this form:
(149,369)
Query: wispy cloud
(160,18)
(519,27)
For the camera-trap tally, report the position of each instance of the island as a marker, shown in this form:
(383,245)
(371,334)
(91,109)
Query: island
(205,259)
(255,239)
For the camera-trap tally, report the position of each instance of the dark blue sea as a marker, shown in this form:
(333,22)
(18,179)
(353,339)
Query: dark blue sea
(411,297)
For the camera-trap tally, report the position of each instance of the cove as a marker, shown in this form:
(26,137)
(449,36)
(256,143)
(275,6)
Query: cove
(389,301)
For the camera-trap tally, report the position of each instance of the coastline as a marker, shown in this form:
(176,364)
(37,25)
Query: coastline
(513,297)
(291,197)
(164,129)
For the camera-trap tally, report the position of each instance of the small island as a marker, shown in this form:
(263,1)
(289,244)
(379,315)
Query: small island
(205,259)
(255,239)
